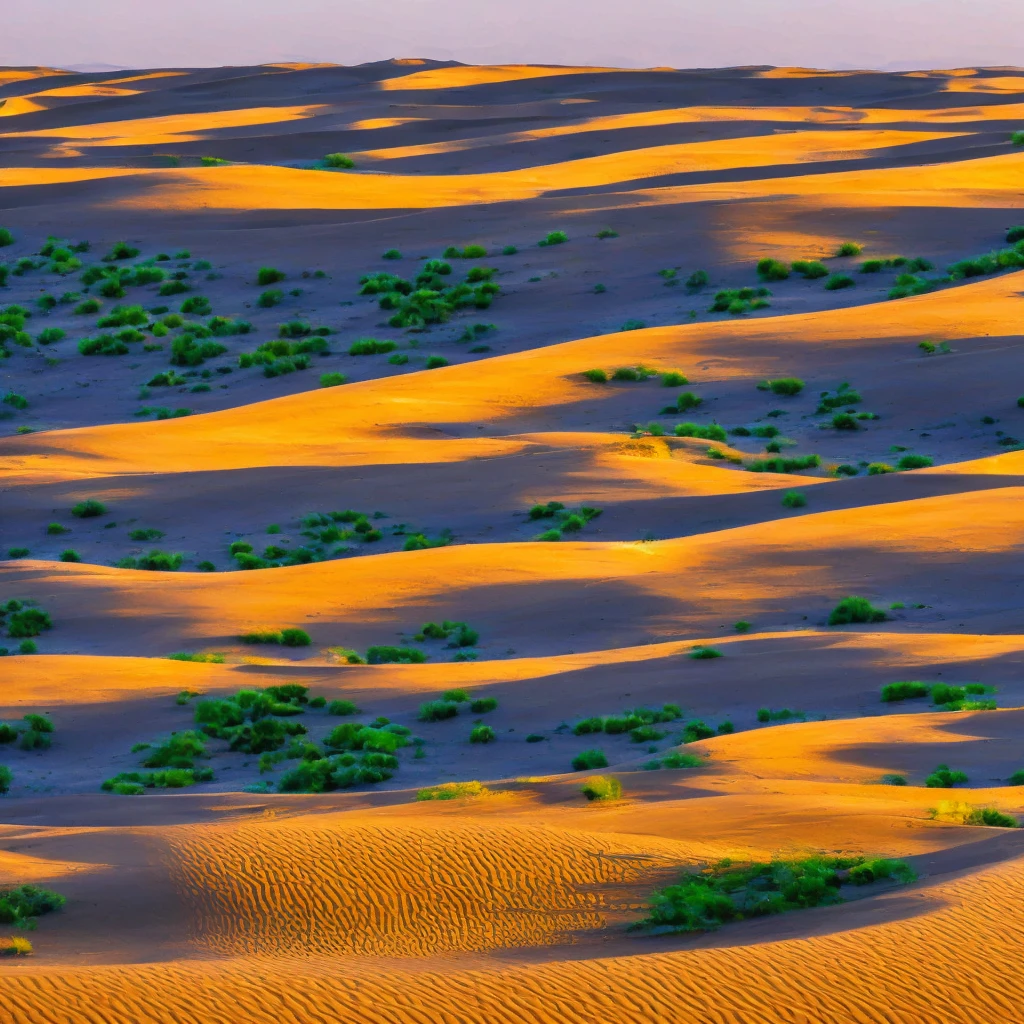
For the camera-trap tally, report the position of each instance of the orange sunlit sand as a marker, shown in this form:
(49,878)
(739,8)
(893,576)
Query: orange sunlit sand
(452,401)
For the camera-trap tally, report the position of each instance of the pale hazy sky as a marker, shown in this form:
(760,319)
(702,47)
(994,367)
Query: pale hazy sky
(629,33)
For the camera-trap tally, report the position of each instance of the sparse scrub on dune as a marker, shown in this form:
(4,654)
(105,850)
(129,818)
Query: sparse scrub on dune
(794,499)
(839,281)
(342,707)
(904,690)
(705,653)
(153,561)
(6,237)
(779,714)
(207,659)
(696,730)
(788,386)
(271,297)
(269,275)
(384,654)
(332,380)
(879,468)
(709,432)
(89,509)
(855,609)
(673,379)
(730,891)
(370,347)
(554,238)
(781,464)
(136,783)
(121,251)
(482,705)
(772,270)
(438,710)
(810,269)
(849,249)
(675,760)
(914,462)
(6,778)
(482,734)
(958,813)
(25,622)
(21,904)
(1015,234)
(738,301)
(290,637)
(15,945)
(589,759)
(452,791)
(338,162)
(602,788)
(944,778)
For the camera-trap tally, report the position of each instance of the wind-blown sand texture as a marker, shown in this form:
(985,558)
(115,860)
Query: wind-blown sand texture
(221,905)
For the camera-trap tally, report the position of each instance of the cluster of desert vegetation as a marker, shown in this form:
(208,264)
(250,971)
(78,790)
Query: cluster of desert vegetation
(454,514)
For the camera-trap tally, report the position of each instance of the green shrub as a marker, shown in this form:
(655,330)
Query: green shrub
(482,705)
(879,469)
(332,380)
(838,281)
(452,791)
(268,299)
(482,734)
(589,759)
(855,609)
(778,715)
(121,251)
(15,400)
(370,347)
(89,509)
(705,653)
(269,275)
(772,270)
(384,654)
(894,780)
(342,708)
(908,285)
(782,386)
(198,305)
(338,161)
(179,751)
(6,237)
(810,269)
(965,814)
(696,730)
(602,787)
(435,362)
(710,432)
(794,499)
(50,336)
(904,691)
(944,778)
(70,555)
(914,462)
(437,710)
(55,529)
(849,249)
(738,301)
(19,905)
(779,464)
(729,891)
(1016,779)
(596,376)
(554,238)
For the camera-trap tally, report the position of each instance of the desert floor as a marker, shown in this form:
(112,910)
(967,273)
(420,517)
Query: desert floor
(230,901)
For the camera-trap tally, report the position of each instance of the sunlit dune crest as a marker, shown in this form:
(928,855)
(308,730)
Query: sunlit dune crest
(460,77)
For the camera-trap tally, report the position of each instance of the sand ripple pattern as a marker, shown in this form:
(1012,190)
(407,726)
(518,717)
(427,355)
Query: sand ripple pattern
(404,891)
(955,963)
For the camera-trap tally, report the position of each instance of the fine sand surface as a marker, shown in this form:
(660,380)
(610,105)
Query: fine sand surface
(232,903)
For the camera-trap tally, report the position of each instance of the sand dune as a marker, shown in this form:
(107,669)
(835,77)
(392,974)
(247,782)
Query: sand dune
(229,901)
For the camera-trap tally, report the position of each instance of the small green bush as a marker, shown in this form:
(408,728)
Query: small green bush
(944,778)
(342,708)
(435,362)
(554,238)
(879,469)
(70,555)
(121,251)
(332,380)
(602,787)
(794,499)
(849,249)
(782,386)
(597,376)
(482,705)
(6,237)
(810,269)
(452,791)
(271,297)
(370,347)
(855,609)
(338,161)
(589,759)
(705,653)
(710,432)
(772,270)
(965,814)
(894,780)
(914,462)
(482,734)
(269,275)
(437,710)
(905,690)
(384,654)
(89,509)
(839,281)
